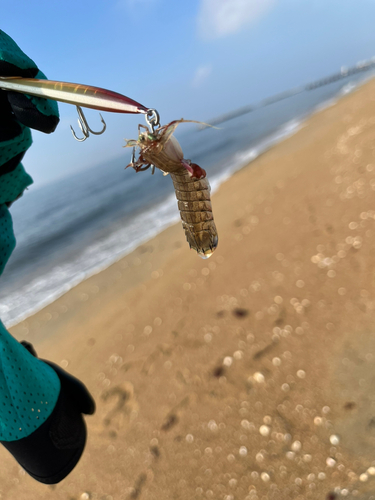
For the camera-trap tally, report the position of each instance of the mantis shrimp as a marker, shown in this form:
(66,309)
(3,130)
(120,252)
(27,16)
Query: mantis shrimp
(161,149)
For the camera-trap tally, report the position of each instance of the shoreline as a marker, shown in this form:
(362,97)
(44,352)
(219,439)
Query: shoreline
(251,371)
(284,132)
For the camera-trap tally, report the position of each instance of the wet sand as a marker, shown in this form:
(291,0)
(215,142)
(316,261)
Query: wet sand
(250,375)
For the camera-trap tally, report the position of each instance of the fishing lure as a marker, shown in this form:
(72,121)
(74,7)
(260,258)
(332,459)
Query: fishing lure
(77,94)
(158,147)
(73,93)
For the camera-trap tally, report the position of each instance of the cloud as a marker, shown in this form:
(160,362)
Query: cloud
(201,75)
(217,18)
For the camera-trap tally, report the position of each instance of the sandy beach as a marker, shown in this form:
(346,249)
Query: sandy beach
(247,376)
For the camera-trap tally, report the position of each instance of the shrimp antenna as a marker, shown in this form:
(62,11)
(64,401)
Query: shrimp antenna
(84,126)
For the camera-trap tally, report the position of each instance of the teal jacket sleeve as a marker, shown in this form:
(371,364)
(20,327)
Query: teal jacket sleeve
(41,406)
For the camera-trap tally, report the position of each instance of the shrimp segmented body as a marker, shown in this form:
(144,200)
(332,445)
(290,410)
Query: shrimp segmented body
(161,149)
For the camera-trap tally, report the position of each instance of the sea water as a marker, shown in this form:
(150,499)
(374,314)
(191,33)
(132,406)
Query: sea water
(69,230)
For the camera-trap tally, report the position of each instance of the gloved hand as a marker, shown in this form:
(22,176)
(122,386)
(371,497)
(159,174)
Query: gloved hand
(18,112)
(50,452)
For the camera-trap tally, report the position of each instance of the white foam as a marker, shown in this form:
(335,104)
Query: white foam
(40,292)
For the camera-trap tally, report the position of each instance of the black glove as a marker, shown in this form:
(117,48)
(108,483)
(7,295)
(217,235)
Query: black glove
(17,113)
(51,452)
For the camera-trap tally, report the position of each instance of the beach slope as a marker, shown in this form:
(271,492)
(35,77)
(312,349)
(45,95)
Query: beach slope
(246,376)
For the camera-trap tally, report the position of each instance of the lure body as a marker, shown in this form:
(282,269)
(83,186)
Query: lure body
(161,148)
(74,93)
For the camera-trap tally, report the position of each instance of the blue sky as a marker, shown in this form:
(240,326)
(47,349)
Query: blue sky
(193,59)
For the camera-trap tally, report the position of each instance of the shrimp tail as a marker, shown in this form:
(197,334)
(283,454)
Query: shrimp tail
(194,203)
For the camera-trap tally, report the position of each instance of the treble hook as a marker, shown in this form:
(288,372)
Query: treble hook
(84,126)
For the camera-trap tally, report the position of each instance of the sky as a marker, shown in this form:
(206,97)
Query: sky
(192,59)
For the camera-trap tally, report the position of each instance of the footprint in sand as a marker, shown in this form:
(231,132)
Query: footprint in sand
(119,405)
(173,417)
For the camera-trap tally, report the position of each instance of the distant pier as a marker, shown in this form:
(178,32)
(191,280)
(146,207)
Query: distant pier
(361,66)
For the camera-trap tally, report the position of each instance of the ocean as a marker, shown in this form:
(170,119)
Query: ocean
(69,230)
